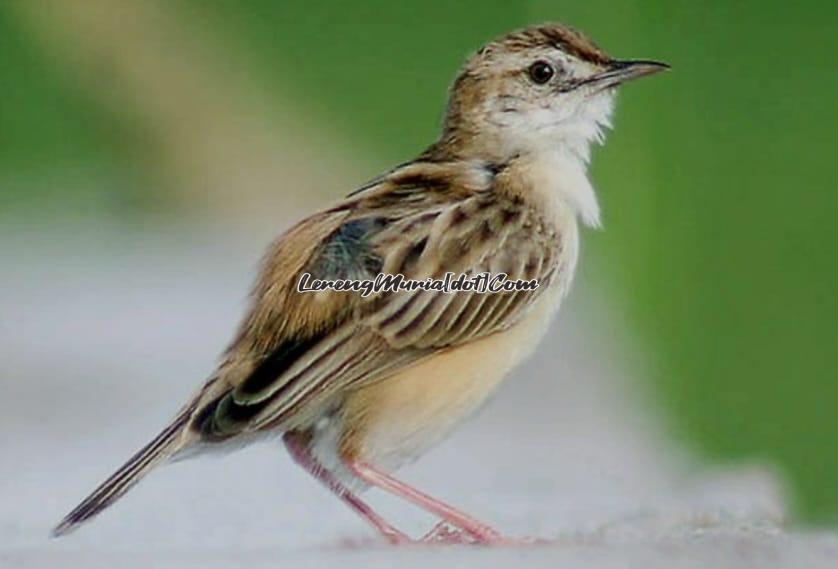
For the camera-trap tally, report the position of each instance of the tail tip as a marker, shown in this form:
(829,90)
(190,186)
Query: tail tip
(65,527)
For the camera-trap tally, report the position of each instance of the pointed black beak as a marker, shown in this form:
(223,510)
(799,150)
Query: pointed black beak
(632,69)
(618,72)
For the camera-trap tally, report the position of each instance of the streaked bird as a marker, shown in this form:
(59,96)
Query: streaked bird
(356,386)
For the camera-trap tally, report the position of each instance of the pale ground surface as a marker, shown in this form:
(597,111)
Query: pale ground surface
(104,332)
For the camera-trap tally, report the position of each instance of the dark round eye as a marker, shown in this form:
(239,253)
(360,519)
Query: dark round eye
(541,72)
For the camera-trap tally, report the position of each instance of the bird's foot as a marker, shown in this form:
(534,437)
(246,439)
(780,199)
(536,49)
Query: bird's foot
(444,533)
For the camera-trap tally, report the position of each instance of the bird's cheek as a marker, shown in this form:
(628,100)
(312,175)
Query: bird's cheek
(557,112)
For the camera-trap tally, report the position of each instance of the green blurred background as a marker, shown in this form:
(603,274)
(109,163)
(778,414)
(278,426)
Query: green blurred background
(716,184)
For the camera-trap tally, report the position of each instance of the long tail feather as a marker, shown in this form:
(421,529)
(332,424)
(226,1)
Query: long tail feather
(157,451)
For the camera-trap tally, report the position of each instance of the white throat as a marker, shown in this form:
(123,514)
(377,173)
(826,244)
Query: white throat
(558,156)
(560,176)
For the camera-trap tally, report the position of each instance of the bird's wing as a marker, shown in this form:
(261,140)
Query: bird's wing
(296,349)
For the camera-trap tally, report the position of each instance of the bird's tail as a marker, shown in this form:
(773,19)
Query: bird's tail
(164,445)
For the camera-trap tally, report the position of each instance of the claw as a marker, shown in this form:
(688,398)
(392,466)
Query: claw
(444,533)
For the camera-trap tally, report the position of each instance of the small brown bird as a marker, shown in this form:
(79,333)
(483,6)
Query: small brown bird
(359,385)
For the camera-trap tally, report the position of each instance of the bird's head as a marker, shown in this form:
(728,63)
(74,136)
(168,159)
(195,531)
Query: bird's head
(546,86)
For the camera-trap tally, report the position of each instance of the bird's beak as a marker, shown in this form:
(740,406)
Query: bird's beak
(618,72)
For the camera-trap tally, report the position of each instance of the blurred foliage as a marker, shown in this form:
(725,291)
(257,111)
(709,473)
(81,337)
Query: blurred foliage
(716,185)
(378,69)
(58,149)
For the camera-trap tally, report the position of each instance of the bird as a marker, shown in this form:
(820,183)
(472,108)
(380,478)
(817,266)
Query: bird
(357,386)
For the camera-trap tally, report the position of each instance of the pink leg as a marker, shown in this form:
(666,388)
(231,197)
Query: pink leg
(301,456)
(478,530)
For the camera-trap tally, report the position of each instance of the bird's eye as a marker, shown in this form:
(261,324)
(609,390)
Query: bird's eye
(541,72)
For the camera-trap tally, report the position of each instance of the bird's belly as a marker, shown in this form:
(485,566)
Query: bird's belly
(392,422)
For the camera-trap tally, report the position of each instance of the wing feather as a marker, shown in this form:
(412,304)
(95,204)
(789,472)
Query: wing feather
(326,342)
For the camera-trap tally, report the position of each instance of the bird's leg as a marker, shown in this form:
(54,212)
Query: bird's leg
(480,532)
(301,455)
